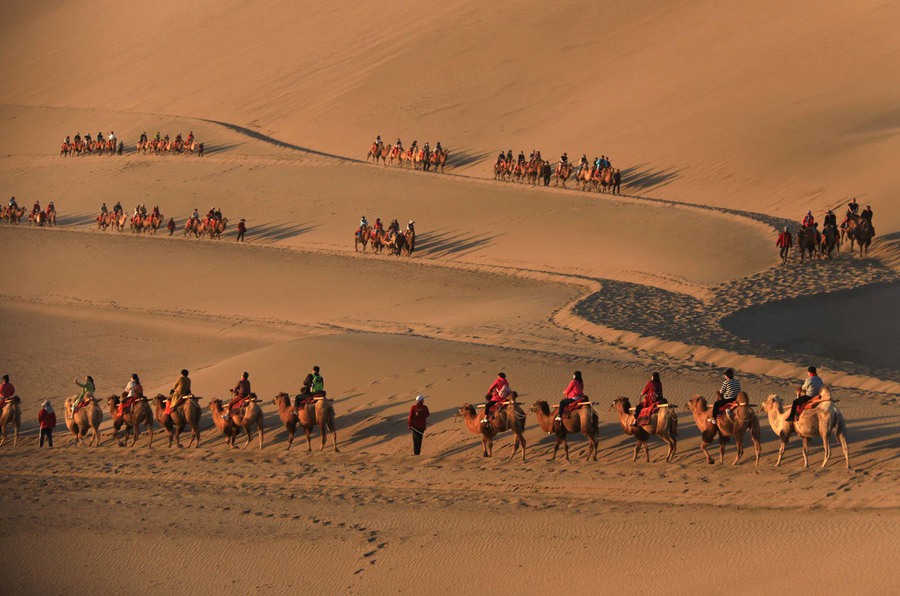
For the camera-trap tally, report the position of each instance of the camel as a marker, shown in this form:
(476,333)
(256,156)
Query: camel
(320,413)
(830,240)
(218,228)
(223,422)
(11,413)
(187,412)
(806,243)
(509,417)
(88,416)
(439,160)
(744,418)
(562,174)
(249,417)
(409,242)
(139,414)
(379,152)
(361,238)
(663,423)
(859,231)
(584,420)
(823,419)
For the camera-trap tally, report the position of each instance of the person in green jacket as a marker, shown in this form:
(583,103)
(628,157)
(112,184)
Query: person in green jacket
(87,390)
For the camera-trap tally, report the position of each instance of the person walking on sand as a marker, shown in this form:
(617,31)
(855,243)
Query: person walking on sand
(784,243)
(242,230)
(47,422)
(418,415)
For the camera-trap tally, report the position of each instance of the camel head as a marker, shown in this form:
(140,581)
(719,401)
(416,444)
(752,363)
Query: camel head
(215,405)
(620,404)
(773,402)
(540,406)
(742,398)
(697,403)
(112,400)
(159,399)
(282,398)
(465,410)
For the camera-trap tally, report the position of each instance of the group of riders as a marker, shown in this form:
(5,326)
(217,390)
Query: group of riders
(87,145)
(413,156)
(390,238)
(857,225)
(598,173)
(13,214)
(212,224)
(162,145)
(313,388)
(140,220)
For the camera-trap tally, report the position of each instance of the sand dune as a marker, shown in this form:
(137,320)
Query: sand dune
(728,123)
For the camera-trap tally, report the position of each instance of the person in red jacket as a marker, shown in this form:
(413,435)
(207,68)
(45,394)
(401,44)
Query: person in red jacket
(497,393)
(785,242)
(241,392)
(574,392)
(7,390)
(47,422)
(418,414)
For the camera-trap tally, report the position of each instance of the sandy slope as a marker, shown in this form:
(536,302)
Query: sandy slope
(728,122)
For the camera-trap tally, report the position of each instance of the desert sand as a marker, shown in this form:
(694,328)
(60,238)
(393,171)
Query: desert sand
(728,122)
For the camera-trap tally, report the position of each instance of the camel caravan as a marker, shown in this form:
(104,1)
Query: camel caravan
(812,415)
(813,245)
(598,175)
(80,146)
(418,158)
(390,240)
(211,226)
(13,214)
(165,145)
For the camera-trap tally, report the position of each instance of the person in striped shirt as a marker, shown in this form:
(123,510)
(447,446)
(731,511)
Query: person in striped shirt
(727,393)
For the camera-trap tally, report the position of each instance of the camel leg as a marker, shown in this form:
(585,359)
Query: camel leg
(722,441)
(262,433)
(703,445)
(555,449)
(826,444)
(843,440)
(754,436)
(522,439)
(249,436)
(646,447)
(805,452)
(515,447)
(290,437)
(150,432)
(781,452)
(484,447)
(333,436)
(308,438)
(637,447)
(739,445)
(323,430)
(16,437)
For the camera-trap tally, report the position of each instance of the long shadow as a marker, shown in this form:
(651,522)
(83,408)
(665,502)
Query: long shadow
(643,177)
(439,244)
(276,231)
(273,141)
(218,149)
(464,157)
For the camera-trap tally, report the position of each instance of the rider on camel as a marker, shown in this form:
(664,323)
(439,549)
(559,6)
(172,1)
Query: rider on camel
(727,394)
(497,393)
(378,142)
(7,390)
(438,147)
(50,208)
(509,156)
(180,390)
(112,137)
(103,209)
(808,220)
(13,204)
(411,227)
(241,392)
(117,208)
(810,389)
(867,215)
(68,141)
(574,392)
(829,220)
(133,391)
(564,159)
(363,222)
(521,159)
(501,157)
(190,138)
(651,396)
(87,390)
(36,209)
(379,227)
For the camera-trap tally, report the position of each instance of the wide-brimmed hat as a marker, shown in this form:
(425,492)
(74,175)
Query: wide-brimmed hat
(420,398)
